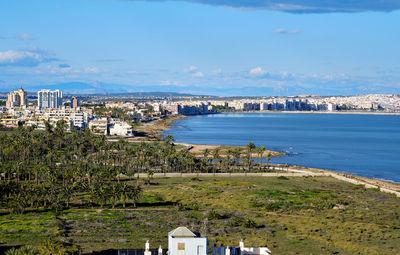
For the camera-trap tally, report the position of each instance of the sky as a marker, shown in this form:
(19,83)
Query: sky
(209,47)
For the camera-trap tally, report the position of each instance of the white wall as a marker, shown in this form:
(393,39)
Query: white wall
(193,245)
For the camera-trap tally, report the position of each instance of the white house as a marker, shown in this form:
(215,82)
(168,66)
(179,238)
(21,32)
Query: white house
(121,129)
(182,241)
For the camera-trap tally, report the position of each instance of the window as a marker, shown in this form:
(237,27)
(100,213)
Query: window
(181,246)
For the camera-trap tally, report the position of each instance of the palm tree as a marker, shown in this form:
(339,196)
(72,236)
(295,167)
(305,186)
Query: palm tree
(268,158)
(135,193)
(150,174)
(251,146)
(206,152)
(236,155)
(260,150)
(216,157)
(67,193)
(115,193)
(124,189)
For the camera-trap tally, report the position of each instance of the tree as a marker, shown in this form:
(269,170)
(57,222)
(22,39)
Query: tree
(125,189)
(67,193)
(216,157)
(268,158)
(260,150)
(135,193)
(115,193)
(250,147)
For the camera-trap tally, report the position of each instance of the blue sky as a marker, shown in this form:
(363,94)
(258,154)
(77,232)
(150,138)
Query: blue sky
(269,47)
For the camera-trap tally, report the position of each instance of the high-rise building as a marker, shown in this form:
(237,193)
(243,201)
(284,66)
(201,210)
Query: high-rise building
(17,99)
(49,98)
(74,102)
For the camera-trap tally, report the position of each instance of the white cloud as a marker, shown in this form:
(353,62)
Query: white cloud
(31,57)
(284,31)
(258,71)
(25,37)
(165,83)
(190,69)
(131,72)
(293,31)
(91,70)
(218,71)
(198,74)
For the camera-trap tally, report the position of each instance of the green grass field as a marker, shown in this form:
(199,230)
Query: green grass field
(295,215)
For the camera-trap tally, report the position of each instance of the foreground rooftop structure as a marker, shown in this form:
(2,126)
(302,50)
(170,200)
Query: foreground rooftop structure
(182,241)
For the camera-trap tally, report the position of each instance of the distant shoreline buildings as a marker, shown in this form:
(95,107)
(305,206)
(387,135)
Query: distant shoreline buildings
(108,115)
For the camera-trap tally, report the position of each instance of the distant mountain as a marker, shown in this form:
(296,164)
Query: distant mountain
(97,88)
(82,88)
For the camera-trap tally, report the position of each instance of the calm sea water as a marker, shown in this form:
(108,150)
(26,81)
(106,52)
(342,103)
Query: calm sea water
(366,145)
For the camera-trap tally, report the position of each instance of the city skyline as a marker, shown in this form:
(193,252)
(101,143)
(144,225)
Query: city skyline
(201,47)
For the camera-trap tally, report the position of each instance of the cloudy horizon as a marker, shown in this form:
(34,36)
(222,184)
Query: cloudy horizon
(269,47)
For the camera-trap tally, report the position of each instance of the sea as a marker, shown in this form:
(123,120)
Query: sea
(365,145)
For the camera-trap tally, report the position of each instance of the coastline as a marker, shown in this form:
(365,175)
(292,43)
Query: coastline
(319,112)
(153,130)
(383,185)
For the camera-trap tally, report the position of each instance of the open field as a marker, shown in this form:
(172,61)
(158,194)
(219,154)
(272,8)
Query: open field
(292,215)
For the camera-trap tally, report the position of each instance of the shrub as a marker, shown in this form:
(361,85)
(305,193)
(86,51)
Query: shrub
(283,178)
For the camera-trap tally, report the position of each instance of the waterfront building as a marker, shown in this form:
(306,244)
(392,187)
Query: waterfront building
(120,129)
(49,98)
(331,107)
(17,99)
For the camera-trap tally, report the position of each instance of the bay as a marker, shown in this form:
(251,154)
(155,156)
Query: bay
(366,145)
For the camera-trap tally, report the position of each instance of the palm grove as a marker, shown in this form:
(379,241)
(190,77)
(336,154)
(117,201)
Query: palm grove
(54,169)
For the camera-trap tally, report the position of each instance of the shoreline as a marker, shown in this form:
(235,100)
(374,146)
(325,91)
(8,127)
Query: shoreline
(318,112)
(383,185)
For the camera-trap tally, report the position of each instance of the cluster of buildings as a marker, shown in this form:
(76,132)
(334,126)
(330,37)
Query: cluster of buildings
(182,241)
(51,108)
(141,109)
(389,103)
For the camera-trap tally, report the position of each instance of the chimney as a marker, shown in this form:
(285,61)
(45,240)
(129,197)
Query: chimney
(227,251)
(147,248)
(241,244)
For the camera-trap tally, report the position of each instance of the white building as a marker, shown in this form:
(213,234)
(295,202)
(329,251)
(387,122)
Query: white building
(182,241)
(331,107)
(99,126)
(253,250)
(76,116)
(49,98)
(121,129)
